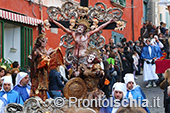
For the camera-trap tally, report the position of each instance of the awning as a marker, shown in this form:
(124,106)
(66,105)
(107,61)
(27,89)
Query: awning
(19,18)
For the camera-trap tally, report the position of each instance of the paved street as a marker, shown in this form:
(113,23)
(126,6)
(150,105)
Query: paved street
(151,93)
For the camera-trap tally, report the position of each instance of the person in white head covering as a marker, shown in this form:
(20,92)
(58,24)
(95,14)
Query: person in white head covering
(158,46)
(149,55)
(22,86)
(134,91)
(119,92)
(8,93)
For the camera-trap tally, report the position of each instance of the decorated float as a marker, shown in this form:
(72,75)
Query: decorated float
(83,25)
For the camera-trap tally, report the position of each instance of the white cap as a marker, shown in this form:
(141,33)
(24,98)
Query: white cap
(129,77)
(118,86)
(20,76)
(7,79)
(155,36)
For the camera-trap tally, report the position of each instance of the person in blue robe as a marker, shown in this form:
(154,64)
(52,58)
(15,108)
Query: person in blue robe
(3,103)
(158,46)
(119,92)
(134,91)
(149,56)
(8,93)
(22,86)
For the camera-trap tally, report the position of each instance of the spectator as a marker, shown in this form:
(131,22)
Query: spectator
(131,46)
(8,93)
(149,27)
(55,84)
(2,74)
(166,36)
(138,49)
(143,32)
(154,30)
(15,64)
(106,88)
(122,60)
(150,35)
(14,73)
(107,48)
(124,42)
(22,86)
(162,27)
(111,43)
(135,63)
(128,63)
(164,85)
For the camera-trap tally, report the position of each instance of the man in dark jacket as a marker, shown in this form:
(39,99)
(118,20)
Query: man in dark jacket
(55,84)
(144,32)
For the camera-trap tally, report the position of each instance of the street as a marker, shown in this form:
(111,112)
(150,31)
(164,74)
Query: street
(152,93)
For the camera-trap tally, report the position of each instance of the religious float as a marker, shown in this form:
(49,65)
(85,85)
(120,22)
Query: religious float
(83,25)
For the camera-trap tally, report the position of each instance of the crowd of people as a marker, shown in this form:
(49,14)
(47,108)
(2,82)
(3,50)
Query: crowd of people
(121,63)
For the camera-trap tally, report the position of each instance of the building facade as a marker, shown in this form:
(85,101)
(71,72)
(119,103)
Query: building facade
(19,21)
(157,13)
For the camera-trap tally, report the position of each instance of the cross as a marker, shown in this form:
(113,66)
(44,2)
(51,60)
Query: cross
(83,3)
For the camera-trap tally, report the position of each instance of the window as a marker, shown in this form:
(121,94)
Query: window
(26,44)
(117,37)
(160,17)
(121,3)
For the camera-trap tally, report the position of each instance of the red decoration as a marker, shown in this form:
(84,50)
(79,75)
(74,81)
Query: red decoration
(162,65)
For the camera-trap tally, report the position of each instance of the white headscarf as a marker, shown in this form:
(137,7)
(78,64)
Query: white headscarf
(118,86)
(19,77)
(145,39)
(7,79)
(129,77)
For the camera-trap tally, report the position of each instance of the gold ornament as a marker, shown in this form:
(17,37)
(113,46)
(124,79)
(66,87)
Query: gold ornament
(37,91)
(84,21)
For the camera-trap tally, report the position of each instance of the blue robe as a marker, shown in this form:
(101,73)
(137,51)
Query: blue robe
(22,91)
(12,97)
(138,93)
(2,104)
(109,108)
(145,52)
(158,50)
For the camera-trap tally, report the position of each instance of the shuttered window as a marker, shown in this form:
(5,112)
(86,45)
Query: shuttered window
(26,44)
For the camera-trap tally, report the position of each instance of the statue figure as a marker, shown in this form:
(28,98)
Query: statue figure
(39,62)
(81,36)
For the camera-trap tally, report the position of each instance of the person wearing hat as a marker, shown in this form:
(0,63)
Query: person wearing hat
(8,93)
(134,91)
(119,92)
(149,56)
(22,87)
(158,45)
